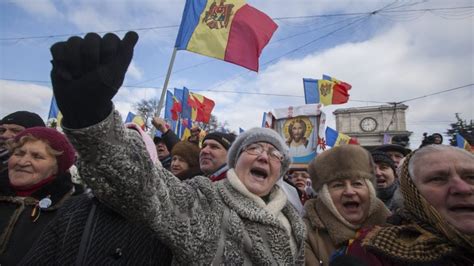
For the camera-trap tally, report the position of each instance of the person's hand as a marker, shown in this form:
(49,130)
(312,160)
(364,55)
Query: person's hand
(160,124)
(87,73)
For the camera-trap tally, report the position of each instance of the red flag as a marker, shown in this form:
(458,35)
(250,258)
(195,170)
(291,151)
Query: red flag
(175,109)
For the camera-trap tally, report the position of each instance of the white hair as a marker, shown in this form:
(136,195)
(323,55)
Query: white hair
(434,148)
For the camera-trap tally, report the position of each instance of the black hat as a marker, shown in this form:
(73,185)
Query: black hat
(381,157)
(23,118)
(393,147)
(225,139)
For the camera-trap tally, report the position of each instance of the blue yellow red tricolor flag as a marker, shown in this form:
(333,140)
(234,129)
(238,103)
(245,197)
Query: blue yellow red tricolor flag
(132,118)
(201,107)
(229,30)
(325,91)
(335,138)
(462,143)
(54,115)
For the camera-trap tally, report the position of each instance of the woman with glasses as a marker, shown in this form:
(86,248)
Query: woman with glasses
(243,219)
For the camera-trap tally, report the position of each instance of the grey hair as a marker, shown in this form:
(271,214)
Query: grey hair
(434,148)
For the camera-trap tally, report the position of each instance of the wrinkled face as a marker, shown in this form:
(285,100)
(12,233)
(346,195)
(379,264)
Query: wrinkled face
(299,179)
(396,157)
(162,150)
(212,156)
(384,175)
(297,131)
(446,180)
(31,163)
(351,198)
(258,167)
(8,131)
(178,165)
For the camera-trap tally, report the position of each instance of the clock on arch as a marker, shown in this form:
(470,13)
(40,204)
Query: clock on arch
(368,124)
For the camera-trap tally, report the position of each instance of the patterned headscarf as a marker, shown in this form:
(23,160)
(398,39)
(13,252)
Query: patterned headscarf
(426,238)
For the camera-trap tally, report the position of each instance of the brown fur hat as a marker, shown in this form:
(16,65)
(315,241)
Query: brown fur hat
(188,151)
(341,162)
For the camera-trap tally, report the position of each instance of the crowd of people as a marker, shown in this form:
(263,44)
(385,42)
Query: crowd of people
(225,199)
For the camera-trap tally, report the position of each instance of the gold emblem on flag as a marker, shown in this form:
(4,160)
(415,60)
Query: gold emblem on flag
(218,16)
(325,88)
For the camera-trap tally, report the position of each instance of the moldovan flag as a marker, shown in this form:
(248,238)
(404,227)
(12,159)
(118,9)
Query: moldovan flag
(229,30)
(54,114)
(334,138)
(324,91)
(345,86)
(462,143)
(132,118)
(201,107)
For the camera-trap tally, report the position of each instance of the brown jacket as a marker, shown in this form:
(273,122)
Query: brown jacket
(326,233)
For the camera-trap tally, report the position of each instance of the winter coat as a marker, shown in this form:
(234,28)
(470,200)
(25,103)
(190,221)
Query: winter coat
(22,221)
(200,221)
(112,240)
(326,233)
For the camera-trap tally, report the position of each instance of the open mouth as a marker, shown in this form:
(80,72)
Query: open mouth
(381,182)
(462,208)
(351,205)
(259,172)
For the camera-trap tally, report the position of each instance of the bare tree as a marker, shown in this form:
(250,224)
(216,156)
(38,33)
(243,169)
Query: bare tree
(146,109)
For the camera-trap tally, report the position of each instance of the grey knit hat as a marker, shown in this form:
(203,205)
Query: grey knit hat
(258,134)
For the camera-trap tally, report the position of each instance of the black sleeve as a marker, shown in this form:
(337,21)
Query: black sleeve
(170,139)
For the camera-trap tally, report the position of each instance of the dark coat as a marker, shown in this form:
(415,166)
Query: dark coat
(19,230)
(112,239)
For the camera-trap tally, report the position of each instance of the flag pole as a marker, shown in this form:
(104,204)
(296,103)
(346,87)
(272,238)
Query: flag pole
(165,85)
(165,88)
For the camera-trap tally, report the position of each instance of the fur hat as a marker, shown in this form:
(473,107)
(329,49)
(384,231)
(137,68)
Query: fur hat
(224,139)
(23,118)
(188,151)
(57,141)
(259,135)
(381,157)
(341,162)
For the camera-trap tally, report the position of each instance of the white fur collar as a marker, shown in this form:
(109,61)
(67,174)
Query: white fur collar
(277,197)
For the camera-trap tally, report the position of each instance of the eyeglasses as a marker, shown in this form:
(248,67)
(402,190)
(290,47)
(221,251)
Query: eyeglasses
(258,149)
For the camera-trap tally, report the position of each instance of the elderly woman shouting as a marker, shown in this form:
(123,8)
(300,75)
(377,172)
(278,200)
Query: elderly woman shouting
(346,201)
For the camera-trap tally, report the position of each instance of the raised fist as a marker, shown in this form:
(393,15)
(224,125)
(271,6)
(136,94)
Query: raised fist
(87,74)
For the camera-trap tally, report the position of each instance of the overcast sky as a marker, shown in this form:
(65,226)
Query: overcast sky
(395,54)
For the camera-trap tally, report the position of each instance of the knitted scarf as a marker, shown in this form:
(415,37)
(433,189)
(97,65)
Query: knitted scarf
(427,237)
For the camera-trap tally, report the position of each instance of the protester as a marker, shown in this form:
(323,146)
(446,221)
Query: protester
(86,232)
(10,126)
(386,180)
(195,136)
(243,219)
(38,175)
(185,160)
(212,158)
(164,142)
(437,225)
(299,177)
(346,202)
(395,151)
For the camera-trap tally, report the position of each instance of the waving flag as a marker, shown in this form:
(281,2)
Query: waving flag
(132,118)
(462,143)
(201,107)
(229,30)
(334,138)
(324,91)
(54,115)
(345,86)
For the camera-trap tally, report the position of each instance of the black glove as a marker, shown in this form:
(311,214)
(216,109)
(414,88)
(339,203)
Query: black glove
(87,74)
